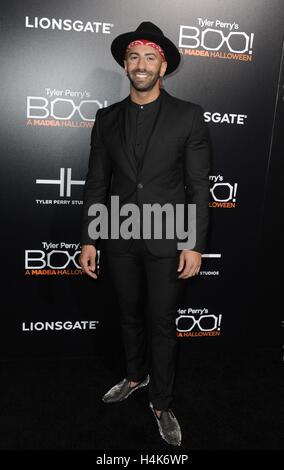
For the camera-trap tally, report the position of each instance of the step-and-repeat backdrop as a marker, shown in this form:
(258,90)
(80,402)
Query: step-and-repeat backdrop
(56,71)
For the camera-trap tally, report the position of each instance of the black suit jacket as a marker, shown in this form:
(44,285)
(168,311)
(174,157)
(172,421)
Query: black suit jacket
(174,169)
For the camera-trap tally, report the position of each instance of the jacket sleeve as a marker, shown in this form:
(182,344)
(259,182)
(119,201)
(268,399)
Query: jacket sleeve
(97,179)
(197,170)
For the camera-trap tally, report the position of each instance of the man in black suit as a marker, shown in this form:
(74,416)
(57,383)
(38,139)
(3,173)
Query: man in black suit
(150,148)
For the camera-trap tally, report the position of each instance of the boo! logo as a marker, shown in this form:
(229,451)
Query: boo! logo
(54,258)
(62,109)
(211,39)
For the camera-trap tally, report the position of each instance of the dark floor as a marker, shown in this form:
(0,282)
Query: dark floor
(223,401)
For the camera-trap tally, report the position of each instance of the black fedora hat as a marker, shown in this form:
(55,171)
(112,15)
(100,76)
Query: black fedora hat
(146,30)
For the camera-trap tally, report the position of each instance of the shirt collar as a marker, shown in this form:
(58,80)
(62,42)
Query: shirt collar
(147,106)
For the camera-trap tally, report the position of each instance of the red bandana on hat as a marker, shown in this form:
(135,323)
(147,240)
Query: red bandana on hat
(146,42)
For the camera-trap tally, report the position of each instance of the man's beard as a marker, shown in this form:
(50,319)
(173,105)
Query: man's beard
(146,84)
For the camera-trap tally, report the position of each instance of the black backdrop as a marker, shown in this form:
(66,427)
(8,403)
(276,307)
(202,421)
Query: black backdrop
(56,70)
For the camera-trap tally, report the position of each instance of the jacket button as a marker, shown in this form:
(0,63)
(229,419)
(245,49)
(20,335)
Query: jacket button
(139,185)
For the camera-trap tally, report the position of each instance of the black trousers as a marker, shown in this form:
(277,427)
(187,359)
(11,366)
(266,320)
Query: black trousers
(149,333)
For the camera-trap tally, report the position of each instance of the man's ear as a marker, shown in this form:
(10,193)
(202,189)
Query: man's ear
(163,68)
(125,65)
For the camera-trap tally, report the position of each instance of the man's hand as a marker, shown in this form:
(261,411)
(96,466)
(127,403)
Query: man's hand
(189,263)
(87,260)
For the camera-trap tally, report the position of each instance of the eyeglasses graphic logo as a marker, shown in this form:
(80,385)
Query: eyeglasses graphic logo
(210,322)
(62,109)
(64,182)
(214,39)
(224,192)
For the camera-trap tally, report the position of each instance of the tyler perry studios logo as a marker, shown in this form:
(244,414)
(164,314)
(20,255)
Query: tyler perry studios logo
(53,259)
(216,39)
(63,108)
(64,187)
(197,322)
(224,194)
(210,270)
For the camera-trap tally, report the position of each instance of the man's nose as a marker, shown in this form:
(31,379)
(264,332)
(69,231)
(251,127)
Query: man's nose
(142,63)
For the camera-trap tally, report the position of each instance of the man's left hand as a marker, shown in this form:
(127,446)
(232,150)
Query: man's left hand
(189,263)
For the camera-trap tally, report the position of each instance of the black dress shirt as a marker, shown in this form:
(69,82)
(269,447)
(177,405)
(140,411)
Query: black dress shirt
(139,125)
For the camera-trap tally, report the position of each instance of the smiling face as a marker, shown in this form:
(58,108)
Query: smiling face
(144,66)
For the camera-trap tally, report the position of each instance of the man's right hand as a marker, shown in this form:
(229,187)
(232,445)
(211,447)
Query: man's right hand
(87,260)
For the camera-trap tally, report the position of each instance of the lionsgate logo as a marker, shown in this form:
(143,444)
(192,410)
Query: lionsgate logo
(155,221)
(225,118)
(44,326)
(216,39)
(67,24)
(197,322)
(63,108)
(53,259)
(224,194)
(65,186)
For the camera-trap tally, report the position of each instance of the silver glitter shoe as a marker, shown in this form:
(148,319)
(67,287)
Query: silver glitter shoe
(169,427)
(122,390)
